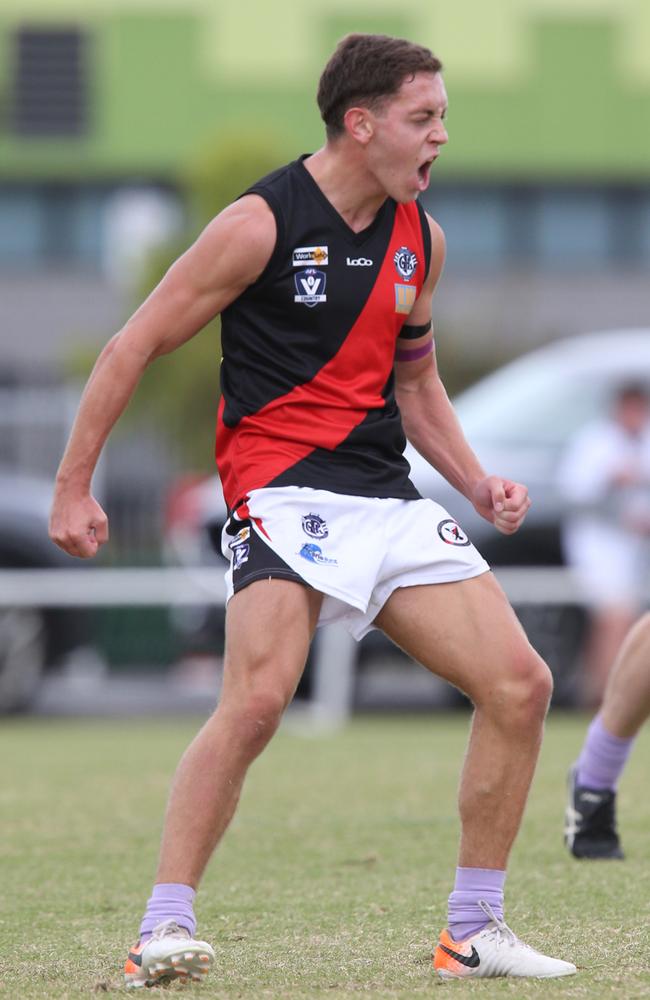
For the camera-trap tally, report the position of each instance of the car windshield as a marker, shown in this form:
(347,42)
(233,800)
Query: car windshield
(532,404)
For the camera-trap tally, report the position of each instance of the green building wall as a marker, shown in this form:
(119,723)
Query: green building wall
(538,89)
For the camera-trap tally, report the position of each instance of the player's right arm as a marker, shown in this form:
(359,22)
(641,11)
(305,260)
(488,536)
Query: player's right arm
(229,255)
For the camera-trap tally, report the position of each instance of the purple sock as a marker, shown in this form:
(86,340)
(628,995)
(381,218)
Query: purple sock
(169,901)
(465,915)
(602,758)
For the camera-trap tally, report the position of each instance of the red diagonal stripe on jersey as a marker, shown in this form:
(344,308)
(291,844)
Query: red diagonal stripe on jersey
(321,413)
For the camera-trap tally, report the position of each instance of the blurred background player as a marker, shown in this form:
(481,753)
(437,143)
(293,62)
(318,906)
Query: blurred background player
(590,821)
(604,477)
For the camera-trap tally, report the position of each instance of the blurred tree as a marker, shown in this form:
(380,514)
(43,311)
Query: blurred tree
(181,391)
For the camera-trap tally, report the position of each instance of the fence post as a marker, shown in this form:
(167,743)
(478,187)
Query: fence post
(334,669)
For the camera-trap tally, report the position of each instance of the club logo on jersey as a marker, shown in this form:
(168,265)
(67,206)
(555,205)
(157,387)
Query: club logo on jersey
(310,287)
(452,533)
(314,526)
(404,298)
(359,262)
(314,554)
(405,263)
(310,255)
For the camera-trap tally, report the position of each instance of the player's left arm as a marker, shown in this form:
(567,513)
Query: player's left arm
(429,420)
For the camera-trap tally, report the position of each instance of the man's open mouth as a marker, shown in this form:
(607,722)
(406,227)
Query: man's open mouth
(424,170)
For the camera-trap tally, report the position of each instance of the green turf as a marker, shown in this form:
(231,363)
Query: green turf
(332,880)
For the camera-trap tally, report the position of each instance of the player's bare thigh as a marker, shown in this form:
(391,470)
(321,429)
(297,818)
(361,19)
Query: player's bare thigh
(465,632)
(269,627)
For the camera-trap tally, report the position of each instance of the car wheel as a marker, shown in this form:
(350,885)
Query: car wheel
(22,656)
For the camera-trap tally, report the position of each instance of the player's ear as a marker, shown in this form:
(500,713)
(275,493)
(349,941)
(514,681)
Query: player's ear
(358,124)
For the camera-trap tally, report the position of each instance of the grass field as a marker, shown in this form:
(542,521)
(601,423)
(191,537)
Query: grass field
(333,878)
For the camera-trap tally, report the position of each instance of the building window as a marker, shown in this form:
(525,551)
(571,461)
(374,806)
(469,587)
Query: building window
(475,223)
(50,85)
(574,229)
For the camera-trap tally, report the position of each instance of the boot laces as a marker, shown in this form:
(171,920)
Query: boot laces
(169,928)
(499,932)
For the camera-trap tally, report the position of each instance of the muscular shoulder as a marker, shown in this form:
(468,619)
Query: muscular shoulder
(242,238)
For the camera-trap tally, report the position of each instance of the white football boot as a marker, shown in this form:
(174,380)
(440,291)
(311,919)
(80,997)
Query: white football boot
(494,951)
(170,953)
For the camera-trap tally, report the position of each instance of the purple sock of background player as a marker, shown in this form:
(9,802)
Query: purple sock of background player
(465,916)
(602,758)
(169,901)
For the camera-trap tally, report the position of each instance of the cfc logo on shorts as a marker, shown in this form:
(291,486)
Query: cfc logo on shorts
(452,533)
(315,526)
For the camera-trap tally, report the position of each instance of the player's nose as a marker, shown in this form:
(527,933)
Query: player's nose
(439,133)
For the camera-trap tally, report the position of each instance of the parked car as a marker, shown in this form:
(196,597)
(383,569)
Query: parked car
(517,419)
(32,640)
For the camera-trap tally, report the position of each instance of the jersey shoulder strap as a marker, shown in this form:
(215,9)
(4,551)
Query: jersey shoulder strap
(273,188)
(426,239)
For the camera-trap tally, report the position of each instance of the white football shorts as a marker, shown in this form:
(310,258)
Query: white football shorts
(355,550)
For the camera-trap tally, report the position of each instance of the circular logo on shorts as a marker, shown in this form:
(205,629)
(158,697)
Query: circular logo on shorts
(315,526)
(452,533)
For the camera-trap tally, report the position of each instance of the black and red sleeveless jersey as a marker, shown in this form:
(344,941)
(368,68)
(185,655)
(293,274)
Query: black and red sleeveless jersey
(308,349)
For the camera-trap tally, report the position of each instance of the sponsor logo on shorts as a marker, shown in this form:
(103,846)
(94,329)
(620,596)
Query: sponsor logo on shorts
(242,536)
(452,533)
(240,554)
(359,261)
(315,526)
(314,554)
(310,255)
(310,287)
(404,298)
(405,263)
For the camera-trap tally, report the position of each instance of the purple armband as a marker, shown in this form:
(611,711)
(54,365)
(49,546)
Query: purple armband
(403,354)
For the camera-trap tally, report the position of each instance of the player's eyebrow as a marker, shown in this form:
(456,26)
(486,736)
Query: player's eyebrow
(431,112)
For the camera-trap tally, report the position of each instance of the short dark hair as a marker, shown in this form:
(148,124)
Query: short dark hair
(366,69)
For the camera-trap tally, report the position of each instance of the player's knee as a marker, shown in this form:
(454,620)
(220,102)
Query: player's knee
(259,712)
(532,693)
(541,687)
(521,697)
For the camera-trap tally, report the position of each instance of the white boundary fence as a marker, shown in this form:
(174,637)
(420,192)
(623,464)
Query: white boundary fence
(94,587)
(335,653)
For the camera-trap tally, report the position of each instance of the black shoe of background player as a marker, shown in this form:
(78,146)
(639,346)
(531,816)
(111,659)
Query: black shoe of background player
(590,821)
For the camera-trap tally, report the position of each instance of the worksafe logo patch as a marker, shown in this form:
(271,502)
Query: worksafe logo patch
(310,287)
(310,255)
